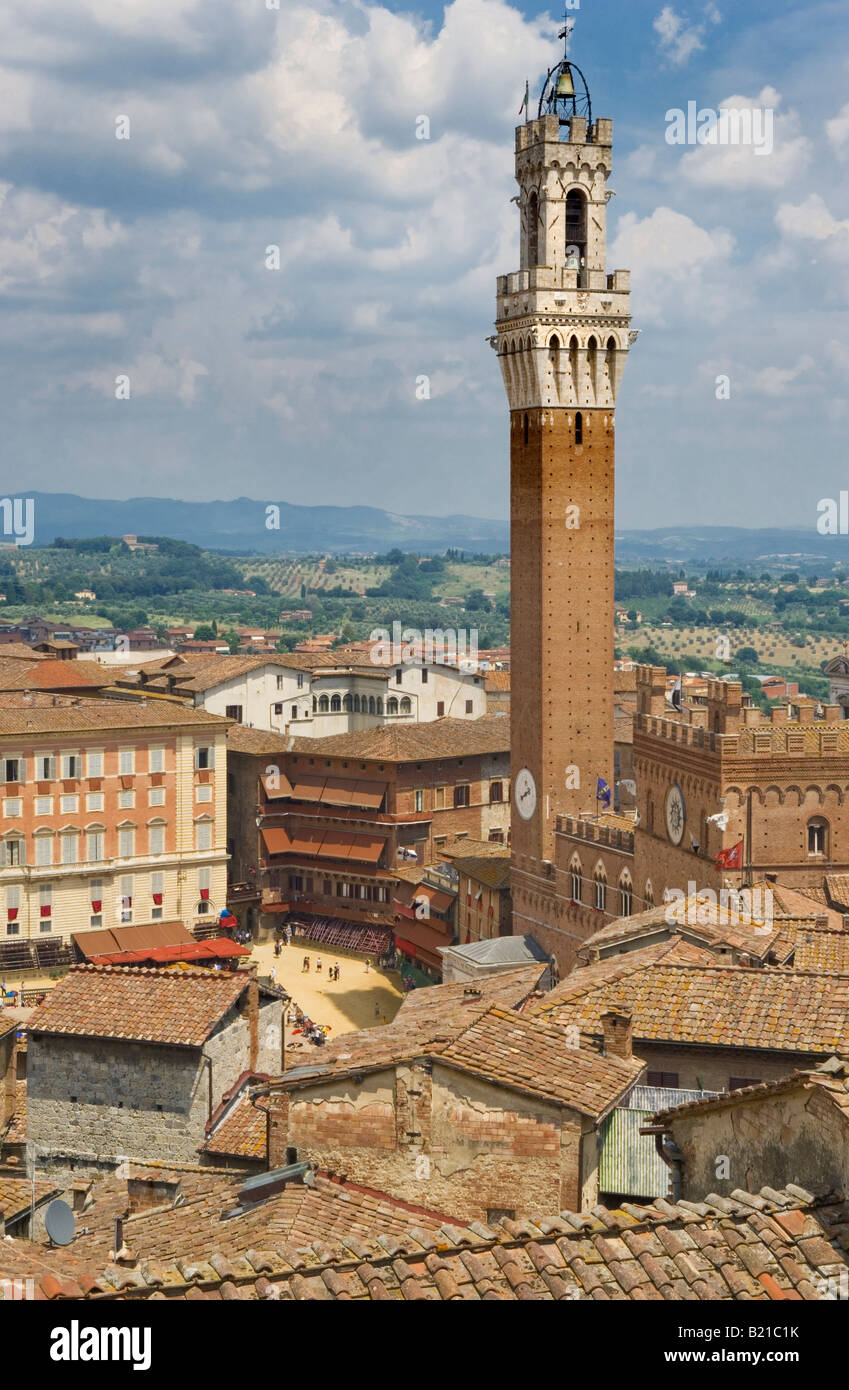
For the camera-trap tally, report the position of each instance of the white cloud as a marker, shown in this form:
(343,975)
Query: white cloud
(811,220)
(678,37)
(837,130)
(676,264)
(784,152)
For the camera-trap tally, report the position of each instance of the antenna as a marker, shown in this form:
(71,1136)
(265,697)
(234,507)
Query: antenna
(59,1222)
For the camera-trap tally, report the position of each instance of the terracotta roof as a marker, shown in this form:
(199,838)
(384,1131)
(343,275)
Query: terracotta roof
(241,739)
(698,915)
(464,847)
(19,651)
(240,1131)
(821,950)
(490,870)
(837,888)
(772,1009)
(41,713)
(531,1055)
(16,1194)
(497,680)
(775,1245)
(800,902)
(404,743)
(178,1007)
(51,674)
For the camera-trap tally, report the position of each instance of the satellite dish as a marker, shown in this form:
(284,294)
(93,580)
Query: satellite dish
(59,1221)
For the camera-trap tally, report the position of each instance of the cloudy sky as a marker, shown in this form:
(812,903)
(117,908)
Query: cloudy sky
(295,127)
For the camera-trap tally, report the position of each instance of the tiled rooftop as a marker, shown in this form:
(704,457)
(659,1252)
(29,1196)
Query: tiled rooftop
(178,1007)
(403,743)
(708,1004)
(776,1245)
(41,713)
(830,1079)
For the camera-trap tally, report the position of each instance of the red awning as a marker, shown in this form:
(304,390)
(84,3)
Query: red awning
(276,839)
(219,948)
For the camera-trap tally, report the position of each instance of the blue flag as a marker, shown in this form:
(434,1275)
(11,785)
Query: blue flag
(602,792)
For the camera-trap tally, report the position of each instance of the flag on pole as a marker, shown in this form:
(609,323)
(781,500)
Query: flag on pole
(674,695)
(730,858)
(602,791)
(524,106)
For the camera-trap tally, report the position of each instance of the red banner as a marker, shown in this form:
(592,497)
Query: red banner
(730,858)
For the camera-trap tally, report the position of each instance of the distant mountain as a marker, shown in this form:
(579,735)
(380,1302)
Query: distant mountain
(239,526)
(731,546)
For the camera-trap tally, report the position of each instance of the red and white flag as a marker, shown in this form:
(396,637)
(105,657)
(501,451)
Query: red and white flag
(730,858)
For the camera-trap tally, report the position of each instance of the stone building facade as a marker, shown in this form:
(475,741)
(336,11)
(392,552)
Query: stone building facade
(95,1099)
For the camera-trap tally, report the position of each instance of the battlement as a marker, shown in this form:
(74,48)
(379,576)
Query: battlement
(547,130)
(595,832)
(776,737)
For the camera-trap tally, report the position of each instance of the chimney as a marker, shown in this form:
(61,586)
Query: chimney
(79,1193)
(618,1034)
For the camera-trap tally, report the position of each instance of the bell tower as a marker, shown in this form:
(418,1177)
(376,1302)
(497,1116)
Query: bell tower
(562,335)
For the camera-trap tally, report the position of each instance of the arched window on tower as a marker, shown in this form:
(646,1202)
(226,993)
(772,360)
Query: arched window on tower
(576,230)
(533,230)
(579,428)
(818,837)
(600,886)
(626,894)
(575,873)
(649,894)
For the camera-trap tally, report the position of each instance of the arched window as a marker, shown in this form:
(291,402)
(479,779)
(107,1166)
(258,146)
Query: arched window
(575,874)
(378,705)
(600,886)
(579,428)
(323,705)
(406,707)
(314,704)
(356,704)
(649,894)
(576,227)
(371,709)
(391,705)
(818,837)
(533,230)
(348,703)
(336,704)
(626,894)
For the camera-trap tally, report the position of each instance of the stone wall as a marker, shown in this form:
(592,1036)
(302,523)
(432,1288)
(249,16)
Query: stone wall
(798,1137)
(444,1140)
(94,1101)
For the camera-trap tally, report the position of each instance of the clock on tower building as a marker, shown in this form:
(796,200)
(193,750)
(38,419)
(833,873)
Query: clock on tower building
(562,335)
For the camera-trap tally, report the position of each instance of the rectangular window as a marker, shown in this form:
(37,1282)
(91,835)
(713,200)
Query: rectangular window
(665,1079)
(204,757)
(203,835)
(203,792)
(419,795)
(278,709)
(736,1083)
(96,919)
(44,849)
(157,892)
(440,709)
(300,681)
(94,801)
(45,896)
(13,769)
(233,712)
(72,766)
(157,839)
(45,767)
(156,796)
(126,842)
(70,846)
(13,928)
(69,804)
(424,675)
(461,795)
(126,800)
(12,853)
(469,706)
(44,805)
(45,925)
(94,847)
(327,887)
(94,764)
(127,762)
(496,791)
(126,899)
(156,759)
(280,682)
(12,806)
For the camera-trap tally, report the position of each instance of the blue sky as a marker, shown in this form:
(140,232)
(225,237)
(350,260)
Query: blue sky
(295,128)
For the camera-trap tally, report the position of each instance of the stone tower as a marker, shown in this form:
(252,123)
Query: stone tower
(563,331)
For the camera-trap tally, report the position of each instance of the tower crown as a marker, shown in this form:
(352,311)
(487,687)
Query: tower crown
(562,321)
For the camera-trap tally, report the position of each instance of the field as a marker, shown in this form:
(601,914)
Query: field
(774,647)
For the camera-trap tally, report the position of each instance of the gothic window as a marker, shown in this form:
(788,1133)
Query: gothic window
(575,878)
(600,887)
(336,704)
(626,893)
(649,894)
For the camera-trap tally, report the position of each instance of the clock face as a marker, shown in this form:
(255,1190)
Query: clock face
(675,815)
(525,793)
